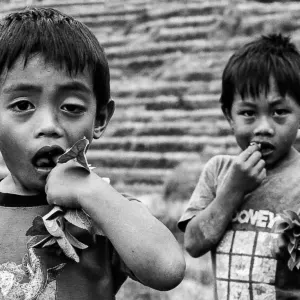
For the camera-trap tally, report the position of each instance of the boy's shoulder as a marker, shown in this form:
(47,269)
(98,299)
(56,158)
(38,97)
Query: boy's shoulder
(219,162)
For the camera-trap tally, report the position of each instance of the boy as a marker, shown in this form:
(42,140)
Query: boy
(54,90)
(237,199)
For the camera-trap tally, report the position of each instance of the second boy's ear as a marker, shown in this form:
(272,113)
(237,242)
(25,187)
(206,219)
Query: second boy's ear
(103,118)
(227,115)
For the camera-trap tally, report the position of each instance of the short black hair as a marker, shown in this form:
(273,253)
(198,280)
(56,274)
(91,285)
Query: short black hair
(248,70)
(60,40)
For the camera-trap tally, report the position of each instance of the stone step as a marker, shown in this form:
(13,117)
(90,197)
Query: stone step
(201,101)
(175,22)
(141,160)
(184,33)
(145,87)
(256,8)
(164,47)
(165,10)
(131,176)
(215,60)
(175,115)
(162,143)
(179,128)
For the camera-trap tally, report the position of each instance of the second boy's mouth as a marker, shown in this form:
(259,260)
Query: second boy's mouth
(265,148)
(45,158)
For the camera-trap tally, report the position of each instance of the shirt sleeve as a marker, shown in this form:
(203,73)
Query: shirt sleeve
(203,194)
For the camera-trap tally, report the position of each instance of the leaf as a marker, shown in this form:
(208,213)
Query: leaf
(74,242)
(79,218)
(38,241)
(291,264)
(55,227)
(37,228)
(67,248)
(292,215)
(77,152)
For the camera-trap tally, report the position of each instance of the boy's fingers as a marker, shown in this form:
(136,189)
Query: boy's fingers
(262,175)
(249,151)
(253,159)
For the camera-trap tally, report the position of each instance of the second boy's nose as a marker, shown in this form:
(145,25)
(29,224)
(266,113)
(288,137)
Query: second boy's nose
(47,125)
(264,127)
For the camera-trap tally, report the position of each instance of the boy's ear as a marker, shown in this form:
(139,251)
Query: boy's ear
(103,118)
(227,115)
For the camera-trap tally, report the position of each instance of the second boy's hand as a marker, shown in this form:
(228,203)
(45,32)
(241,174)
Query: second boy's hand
(244,175)
(247,171)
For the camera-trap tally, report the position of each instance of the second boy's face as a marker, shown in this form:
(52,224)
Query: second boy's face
(270,120)
(41,106)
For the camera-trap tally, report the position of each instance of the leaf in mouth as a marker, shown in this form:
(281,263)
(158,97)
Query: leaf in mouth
(78,153)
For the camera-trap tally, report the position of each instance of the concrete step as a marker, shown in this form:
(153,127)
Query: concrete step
(141,160)
(162,143)
(198,101)
(145,87)
(179,128)
(131,176)
(172,115)
(184,33)
(164,47)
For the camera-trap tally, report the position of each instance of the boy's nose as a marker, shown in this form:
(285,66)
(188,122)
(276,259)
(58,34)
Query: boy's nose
(264,127)
(47,125)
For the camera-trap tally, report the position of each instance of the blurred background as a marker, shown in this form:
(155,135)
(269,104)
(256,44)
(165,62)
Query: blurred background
(166,59)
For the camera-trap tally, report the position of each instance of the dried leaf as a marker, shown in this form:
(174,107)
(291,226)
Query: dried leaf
(37,228)
(74,242)
(291,264)
(77,152)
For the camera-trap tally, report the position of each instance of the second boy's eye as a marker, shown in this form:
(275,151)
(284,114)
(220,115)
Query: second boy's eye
(22,106)
(73,108)
(280,112)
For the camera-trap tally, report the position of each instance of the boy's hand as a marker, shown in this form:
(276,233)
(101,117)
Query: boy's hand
(69,183)
(247,171)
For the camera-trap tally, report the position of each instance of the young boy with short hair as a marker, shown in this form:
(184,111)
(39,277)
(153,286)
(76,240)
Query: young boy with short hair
(237,199)
(55,90)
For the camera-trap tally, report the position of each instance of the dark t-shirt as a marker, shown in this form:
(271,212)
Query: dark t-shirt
(243,262)
(46,272)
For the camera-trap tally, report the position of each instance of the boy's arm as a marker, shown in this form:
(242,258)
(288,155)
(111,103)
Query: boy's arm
(206,228)
(145,245)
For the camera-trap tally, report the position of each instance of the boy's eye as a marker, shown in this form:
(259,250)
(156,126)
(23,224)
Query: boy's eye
(247,113)
(73,108)
(280,112)
(22,106)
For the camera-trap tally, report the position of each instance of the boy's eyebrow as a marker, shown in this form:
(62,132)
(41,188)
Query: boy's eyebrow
(74,86)
(21,87)
(25,87)
(273,102)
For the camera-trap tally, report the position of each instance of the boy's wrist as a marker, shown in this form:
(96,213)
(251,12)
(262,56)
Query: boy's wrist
(230,198)
(92,193)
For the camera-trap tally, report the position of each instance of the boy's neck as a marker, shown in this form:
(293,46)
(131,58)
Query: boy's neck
(9,186)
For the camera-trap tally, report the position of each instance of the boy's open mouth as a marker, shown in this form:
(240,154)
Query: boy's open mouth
(266,148)
(46,157)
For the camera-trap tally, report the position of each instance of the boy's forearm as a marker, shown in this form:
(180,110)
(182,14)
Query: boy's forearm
(205,230)
(147,247)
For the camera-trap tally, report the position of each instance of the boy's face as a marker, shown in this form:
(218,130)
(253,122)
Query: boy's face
(41,106)
(270,120)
